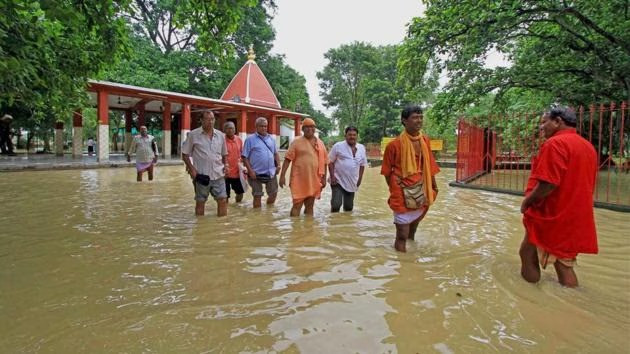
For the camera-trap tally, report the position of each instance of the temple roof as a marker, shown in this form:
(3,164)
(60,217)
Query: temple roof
(250,86)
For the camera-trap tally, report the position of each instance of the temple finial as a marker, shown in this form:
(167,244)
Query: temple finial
(250,53)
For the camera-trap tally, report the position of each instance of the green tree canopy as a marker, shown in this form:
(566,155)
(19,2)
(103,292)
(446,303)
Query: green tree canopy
(182,67)
(49,49)
(575,52)
(362,84)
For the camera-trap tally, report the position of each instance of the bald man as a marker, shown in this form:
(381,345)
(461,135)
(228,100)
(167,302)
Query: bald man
(145,148)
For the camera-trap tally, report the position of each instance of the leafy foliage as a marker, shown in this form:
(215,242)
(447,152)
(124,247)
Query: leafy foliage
(49,50)
(574,52)
(362,84)
(185,68)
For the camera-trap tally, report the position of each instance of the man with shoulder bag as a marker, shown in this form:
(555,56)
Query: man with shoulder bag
(261,158)
(208,150)
(409,168)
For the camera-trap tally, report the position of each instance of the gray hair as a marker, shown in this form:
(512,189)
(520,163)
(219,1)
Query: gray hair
(206,111)
(260,120)
(564,113)
(229,124)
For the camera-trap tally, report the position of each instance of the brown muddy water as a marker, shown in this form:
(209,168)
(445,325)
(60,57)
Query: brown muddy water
(91,262)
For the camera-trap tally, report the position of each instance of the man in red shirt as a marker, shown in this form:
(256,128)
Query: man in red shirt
(234,146)
(409,169)
(558,205)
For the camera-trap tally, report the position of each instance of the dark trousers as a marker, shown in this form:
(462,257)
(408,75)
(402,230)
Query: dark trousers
(5,143)
(339,196)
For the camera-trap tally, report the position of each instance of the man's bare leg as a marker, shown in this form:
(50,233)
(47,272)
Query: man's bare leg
(309,204)
(272,198)
(530,269)
(239,198)
(139,177)
(402,232)
(414,225)
(150,171)
(257,201)
(566,275)
(296,208)
(222,207)
(200,208)
(412,229)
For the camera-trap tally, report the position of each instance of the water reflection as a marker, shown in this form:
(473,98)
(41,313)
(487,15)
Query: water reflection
(91,261)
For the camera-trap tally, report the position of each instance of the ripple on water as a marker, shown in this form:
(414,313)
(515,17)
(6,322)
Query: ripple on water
(97,262)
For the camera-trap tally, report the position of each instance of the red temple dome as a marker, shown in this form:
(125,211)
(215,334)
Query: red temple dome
(250,86)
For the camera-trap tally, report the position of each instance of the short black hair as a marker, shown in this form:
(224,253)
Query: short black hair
(567,115)
(351,127)
(409,110)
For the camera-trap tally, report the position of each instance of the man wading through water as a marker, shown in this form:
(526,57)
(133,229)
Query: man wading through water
(409,169)
(208,150)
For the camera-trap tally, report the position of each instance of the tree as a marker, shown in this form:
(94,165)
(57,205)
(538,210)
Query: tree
(575,52)
(343,80)
(363,85)
(49,50)
(184,24)
(181,66)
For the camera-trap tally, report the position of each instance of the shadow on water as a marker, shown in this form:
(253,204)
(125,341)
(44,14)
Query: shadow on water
(91,261)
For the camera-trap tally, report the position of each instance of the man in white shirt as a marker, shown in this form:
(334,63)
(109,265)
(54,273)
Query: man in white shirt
(146,153)
(347,163)
(208,150)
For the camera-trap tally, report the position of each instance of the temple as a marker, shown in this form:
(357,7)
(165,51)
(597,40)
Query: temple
(248,96)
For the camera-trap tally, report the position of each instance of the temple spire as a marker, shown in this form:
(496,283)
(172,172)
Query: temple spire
(250,53)
(250,85)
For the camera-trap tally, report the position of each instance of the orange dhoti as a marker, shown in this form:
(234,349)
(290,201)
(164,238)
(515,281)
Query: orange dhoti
(308,165)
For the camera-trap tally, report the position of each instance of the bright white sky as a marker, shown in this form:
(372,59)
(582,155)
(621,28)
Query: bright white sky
(306,29)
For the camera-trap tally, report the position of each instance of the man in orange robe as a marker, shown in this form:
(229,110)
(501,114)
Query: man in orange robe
(408,162)
(558,205)
(308,173)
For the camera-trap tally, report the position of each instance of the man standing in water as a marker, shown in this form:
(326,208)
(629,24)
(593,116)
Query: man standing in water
(558,205)
(261,158)
(409,169)
(347,163)
(90,145)
(145,148)
(5,135)
(208,150)
(233,174)
(308,174)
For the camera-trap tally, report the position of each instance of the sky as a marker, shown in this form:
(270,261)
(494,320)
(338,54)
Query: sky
(305,30)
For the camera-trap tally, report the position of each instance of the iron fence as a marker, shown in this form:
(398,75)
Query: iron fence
(495,152)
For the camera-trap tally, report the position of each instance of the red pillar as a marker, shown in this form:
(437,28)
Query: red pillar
(142,120)
(273,125)
(102,134)
(103,108)
(298,127)
(77,133)
(166,129)
(77,118)
(128,121)
(166,116)
(242,124)
(185,117)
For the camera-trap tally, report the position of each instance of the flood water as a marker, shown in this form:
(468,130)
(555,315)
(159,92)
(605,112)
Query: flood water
(91,261)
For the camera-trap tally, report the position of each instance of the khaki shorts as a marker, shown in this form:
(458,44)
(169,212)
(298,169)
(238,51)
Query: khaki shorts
(216,188)
(546,258)
(257,187)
